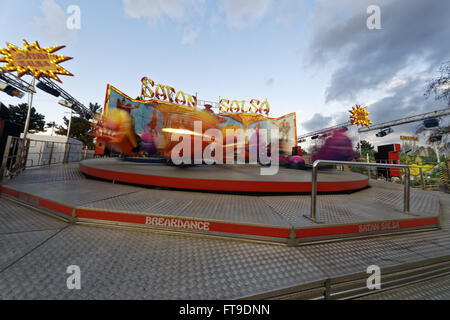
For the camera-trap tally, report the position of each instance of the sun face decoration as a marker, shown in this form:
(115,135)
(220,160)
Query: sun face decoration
(35,60)
(360,116)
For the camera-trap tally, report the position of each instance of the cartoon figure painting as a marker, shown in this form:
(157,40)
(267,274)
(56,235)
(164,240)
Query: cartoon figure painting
(154,123)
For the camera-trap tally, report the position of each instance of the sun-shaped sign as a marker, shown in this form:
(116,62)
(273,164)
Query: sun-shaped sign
(35,60)
(360,116)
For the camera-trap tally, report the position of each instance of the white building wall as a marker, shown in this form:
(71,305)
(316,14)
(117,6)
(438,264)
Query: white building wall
(45,148)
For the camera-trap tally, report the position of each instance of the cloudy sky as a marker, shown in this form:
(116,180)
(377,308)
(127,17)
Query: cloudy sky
(317,58)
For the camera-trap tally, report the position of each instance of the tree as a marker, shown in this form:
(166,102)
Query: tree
(18,114)
(437,135)
(95,107)
(365,146)
(81,128)
(52,125)
(440,86)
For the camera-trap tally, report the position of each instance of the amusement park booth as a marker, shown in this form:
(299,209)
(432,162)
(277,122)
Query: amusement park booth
(388,153)
(7,128)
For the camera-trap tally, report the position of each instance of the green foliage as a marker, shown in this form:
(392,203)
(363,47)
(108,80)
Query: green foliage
(80,128)
(18,114)
(366,148)
(95,107)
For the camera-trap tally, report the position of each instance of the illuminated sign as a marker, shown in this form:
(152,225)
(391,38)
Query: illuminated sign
(360,116)
(35,60)
(255,106)
(409,138)
(166,93)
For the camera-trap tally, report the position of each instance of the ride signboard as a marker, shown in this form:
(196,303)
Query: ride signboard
(34,60)
(408,138)
(360,116)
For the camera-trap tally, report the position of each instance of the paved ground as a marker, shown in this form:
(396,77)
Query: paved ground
(434,289)
(35,251)
(383,201)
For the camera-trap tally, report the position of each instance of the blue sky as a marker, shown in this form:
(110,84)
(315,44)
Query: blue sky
(315,58)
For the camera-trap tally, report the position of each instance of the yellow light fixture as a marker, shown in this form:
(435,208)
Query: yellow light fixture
(360,116)
(35,60)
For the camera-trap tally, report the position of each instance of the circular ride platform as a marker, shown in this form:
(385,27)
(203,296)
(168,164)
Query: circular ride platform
(275,218)
(243,178)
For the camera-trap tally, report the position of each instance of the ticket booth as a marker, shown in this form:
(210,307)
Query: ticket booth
(388,153)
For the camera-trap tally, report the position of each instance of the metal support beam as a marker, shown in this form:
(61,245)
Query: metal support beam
(77,106)
(20,84)
(419,117)
(321,131)
(16,82)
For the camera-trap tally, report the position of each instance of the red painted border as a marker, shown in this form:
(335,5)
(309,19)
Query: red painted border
(40,202)
(221,185)
(10,192)
(358,229)
(391,225)
(278,232)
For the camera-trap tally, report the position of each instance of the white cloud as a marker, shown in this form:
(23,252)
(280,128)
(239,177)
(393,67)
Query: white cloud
(183,12)
(189,36)
(369,59)
(288,11)
(317,121)
(214,22)
(240,13)
(394,82)
(235,14)
(270,81)
(445,86)
(156,10)
(53,22)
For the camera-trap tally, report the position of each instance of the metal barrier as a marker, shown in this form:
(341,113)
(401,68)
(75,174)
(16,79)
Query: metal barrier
(317,163)
(42,153)
(20,154)
(14,157)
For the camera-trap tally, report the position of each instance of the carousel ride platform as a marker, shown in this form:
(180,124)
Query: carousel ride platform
(275,217)
(238,179)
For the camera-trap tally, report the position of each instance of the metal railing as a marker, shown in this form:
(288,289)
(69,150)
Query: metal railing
(21,154)
(42,153)
(317,163)
(14,157)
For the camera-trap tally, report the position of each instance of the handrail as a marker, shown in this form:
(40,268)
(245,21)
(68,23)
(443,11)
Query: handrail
(317,163)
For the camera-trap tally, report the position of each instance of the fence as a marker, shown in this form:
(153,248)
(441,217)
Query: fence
(14,157)
(317,163)
(430,175)
(42,153)
(20,154)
